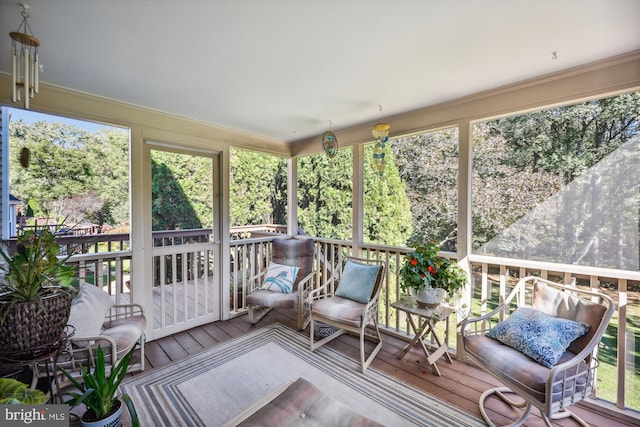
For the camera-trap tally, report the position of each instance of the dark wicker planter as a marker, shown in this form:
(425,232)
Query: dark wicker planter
(34,324)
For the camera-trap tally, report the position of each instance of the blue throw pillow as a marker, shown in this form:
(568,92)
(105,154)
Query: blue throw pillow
(280,278)
(357,281)
(542,337)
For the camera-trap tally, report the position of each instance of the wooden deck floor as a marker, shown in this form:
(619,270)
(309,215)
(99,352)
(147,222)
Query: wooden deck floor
(460,384)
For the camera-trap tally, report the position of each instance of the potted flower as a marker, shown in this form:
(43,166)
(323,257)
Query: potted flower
(34,304)
(98,391)
(430,277)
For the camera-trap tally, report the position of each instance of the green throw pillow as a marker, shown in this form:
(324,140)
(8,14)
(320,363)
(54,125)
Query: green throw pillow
(357,281)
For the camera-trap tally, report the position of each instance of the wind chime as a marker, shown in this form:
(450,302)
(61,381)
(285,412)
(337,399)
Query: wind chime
(381,133)
(24,61)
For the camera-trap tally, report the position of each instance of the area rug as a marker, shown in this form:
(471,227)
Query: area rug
(211,387)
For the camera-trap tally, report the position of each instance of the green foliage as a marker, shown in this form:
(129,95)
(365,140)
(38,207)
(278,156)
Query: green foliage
(35,267)
(521,161)
(72,174)
(325,195)
(569,140)
(425,268)
(98,390)
(501,193)
(181,191)
(427,163)
(15,392)
(258,192)
(387,209)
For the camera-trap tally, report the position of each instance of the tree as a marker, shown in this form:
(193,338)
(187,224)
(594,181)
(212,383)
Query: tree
(325,195)
(581,149)
(181,191)
(568,140)
(258,188)
(387,208)
(428,166)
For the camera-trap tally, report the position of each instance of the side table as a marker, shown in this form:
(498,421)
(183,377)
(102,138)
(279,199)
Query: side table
(427,320)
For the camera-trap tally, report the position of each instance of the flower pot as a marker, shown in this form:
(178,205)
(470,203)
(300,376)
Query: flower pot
(113,420)
(430,297)
(31,326)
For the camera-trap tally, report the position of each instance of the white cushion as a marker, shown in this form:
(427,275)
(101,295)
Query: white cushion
(280,278)
(88,311)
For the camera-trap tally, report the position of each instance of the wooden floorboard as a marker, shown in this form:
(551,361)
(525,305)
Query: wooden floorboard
(460,384)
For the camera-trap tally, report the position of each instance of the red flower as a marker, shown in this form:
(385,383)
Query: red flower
(414,261)
(432,270)
(423,275)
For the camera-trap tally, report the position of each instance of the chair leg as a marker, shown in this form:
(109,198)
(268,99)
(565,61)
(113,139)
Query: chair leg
(143,339)
(565,414)
(256,313)
(364,363)
(499,391)
(316,344)
(303,319)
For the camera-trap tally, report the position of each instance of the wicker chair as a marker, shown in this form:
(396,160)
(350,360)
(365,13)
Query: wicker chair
(530,371)
(348,301)
(292,251)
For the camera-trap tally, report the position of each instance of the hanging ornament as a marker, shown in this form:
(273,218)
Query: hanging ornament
(381,133)
(330,143)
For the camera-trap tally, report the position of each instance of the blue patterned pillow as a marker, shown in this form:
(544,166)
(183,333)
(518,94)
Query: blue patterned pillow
(542,337)
(280,278)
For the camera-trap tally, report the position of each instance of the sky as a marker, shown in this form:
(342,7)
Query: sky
(30,117)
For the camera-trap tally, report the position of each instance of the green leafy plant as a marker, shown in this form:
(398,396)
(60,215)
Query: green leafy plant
(99,390)
(13,391)
(425,268)
(35,269)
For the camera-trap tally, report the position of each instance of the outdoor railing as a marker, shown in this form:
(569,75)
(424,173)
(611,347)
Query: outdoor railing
(491,279)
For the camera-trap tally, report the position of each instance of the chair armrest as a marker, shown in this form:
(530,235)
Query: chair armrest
(478,325)
(89,349)
(120,311)
(305,286)
(255,281)
(321,291)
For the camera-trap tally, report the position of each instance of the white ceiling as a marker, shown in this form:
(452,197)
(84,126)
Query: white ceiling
(287,69)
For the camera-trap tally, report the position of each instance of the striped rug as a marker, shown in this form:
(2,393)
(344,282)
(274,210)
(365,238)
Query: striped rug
(211,387)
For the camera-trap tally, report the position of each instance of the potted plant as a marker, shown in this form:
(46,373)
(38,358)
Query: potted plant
(13,391)
(34,304)
(430,277)
(98,391)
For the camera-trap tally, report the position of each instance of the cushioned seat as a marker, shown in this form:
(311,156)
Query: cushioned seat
(95,321)
(521,369)
(340,310)
(300,403)
(545,352)
(348,301)
(292,261)
(265,298)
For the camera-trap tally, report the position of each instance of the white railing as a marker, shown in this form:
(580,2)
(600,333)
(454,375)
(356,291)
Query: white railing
(491,279)
(109,270)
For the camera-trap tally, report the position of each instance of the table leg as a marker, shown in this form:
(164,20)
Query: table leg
(431,358)
(420,332)
(443,346)
(414,341)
